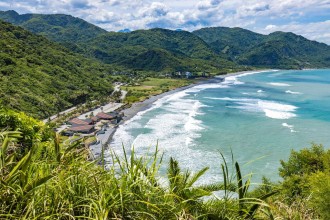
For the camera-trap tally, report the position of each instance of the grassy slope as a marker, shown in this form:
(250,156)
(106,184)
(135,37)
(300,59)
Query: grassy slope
(152,86)
(41,77)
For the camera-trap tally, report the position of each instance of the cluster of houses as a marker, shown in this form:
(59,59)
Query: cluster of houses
(87,126)
(187,75)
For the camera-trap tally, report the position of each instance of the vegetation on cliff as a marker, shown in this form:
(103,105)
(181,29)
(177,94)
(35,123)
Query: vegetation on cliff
(42,78)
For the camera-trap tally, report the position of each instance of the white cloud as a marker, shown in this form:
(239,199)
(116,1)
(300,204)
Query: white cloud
(270,27)
(206,4)
(156,9)
(307,17)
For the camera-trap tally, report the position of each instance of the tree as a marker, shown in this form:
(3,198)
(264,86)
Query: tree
(307,160)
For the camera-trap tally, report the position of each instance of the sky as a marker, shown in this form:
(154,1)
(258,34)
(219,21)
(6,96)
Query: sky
(310,18)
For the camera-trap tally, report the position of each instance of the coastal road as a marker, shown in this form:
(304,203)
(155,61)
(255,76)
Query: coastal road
(61,113)
(112,106)
(107,108)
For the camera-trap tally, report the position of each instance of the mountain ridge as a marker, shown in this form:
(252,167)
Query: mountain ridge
(56,27)
(212,49)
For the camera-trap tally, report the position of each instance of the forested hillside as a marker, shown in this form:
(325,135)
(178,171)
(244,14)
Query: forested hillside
(287,50)
(180,49)
(41,78)
(56,27)
(217,49)
(277,50)
(230,41)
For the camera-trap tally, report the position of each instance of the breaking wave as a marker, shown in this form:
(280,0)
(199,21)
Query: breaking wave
(291,127)
(279,84)
(271,109)
(291,92)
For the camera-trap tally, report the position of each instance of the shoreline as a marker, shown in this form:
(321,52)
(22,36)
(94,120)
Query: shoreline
(134,109)
(146,104)
(141,106)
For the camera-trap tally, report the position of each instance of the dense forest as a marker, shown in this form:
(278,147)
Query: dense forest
(41,77)
(217,49)
(277,50)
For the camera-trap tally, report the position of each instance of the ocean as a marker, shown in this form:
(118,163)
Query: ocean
(259,117)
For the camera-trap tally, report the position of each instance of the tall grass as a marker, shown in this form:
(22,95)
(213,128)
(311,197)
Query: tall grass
(57,181)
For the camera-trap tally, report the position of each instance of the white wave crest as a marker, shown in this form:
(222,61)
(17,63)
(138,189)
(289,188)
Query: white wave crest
(279,84)
(271,109)
(291,92)
(291,127)
(233,80)
(207,86)
(175,125)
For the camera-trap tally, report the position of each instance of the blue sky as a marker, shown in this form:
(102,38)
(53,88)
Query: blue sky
(310,18)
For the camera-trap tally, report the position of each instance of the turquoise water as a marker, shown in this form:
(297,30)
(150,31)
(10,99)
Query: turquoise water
(260,117)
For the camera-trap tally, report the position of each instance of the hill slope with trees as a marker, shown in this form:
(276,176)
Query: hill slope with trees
(276,50)
(56,27)
(216,49)
(183,51)
(41,77)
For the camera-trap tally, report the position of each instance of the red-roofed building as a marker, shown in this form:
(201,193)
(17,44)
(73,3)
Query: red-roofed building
(94,119)
(105,116)
(77,121)
(86,129)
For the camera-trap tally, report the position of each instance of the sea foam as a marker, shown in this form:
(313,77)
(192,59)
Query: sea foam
(291,127)
(271,109)
(279,84)
(175,123)
(174,126)
(294,93)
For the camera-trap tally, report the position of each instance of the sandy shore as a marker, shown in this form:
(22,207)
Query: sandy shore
(137,107)
(141,106)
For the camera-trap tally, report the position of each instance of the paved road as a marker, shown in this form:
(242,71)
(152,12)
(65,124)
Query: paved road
(61,113)
(107,108)
(112,106)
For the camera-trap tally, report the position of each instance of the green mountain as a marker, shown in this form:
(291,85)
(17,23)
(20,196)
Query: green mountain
(216,49)
(41,77)
(287,50)
(56,27)
(231,41)
(149,49)
(276,50)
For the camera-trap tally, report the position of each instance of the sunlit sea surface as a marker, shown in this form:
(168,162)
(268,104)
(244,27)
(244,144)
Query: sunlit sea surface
(258,116)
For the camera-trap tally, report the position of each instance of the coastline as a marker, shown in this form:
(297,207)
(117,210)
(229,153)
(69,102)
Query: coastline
(146,104)
(106,138)
(135,108)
